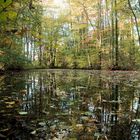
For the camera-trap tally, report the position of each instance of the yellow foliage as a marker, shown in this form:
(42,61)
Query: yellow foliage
(7,41)
(1,52)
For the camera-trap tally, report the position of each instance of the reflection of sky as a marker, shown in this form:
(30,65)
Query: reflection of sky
(72,96)
(30,91)
(135,103)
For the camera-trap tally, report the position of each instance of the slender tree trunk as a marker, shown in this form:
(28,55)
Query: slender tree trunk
(100,34)
(27,44)
(113,35)
(40,50)
(34,53)
(116,37)
(115,44)
(87,15)
(31,49)
(51,55)
(133,50)
(135,19)
(40,95)
(115,106)
(54,54)
(139,2)
(40,55)
(88,57)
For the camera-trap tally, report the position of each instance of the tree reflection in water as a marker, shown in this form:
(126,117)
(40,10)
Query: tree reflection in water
(70,104)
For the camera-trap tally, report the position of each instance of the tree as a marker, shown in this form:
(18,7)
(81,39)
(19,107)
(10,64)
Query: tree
(135,19)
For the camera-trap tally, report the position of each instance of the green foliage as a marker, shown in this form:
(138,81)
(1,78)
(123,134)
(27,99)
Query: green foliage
(12,59)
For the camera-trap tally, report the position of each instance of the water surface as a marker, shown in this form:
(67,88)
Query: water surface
(70,105)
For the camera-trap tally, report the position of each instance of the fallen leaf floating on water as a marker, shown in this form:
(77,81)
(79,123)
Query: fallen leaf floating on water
(10,103)
(97,134)
(42,123)
(9,85)
(23,113)
(33,132)
(7,98)
(114,101)
(136,120)
(23,91)
(9,106)
(2,136)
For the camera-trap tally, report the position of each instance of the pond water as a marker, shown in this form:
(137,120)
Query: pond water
(70,105)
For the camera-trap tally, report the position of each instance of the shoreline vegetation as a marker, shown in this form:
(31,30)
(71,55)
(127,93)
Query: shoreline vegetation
(59,68)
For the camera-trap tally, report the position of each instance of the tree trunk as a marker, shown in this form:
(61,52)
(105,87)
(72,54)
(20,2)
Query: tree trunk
(40,50)
(116,37)
(99,34)
(113,35)
(136,21)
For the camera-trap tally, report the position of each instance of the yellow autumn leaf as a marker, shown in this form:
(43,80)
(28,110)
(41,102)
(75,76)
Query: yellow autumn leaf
(10,103)
(9,106)
(11,15)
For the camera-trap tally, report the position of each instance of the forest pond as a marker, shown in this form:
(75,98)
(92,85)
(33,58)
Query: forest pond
(70,105)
